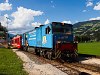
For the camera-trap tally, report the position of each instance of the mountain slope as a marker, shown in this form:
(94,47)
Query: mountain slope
(88,28)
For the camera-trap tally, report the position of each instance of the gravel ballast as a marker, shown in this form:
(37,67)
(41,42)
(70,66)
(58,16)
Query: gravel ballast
(36,69)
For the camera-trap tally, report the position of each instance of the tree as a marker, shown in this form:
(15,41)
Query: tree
(3,31)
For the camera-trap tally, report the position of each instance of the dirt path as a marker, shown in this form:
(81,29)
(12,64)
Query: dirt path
(36,69)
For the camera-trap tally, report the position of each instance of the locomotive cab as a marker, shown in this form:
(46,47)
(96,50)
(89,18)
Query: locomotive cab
(62,32)
(63,39)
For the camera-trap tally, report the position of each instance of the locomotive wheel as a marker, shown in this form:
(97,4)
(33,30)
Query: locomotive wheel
(37,51)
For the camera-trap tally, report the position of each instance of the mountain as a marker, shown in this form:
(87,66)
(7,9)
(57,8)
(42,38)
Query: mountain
(90,29)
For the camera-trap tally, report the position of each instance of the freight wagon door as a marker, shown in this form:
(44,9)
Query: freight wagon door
(39,37)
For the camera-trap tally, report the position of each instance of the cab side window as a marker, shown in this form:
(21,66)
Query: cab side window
(47,30)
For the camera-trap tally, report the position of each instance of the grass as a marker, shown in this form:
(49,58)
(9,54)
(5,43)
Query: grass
(10,64)
(89,48)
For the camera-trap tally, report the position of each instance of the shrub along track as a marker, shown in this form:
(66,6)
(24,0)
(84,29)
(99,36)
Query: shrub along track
(73,68)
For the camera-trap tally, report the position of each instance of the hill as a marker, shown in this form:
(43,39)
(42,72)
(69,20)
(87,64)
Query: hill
(91,29)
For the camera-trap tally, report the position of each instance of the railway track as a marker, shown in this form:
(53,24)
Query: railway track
(84,68)
(74,68)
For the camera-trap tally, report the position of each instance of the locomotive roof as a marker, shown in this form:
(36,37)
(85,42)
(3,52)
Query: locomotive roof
(62,23)
(47,24)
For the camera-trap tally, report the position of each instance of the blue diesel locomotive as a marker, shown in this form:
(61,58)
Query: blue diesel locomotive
(51,41)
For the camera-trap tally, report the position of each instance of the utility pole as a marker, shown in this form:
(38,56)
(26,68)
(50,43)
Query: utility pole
(7,30)
(7,22)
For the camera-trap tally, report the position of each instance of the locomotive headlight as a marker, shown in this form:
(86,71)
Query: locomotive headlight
(58,41)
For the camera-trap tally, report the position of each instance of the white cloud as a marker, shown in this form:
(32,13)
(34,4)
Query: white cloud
(23,17)
(5,21)
(97,6)
(6,15)
(36,24)
(47,21)
(21,20)
(13,32)
(5,6)
(76,21)
(97,18)
(89,3)
(6,1)
(69,22)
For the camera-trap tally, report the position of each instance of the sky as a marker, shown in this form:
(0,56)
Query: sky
(20,16)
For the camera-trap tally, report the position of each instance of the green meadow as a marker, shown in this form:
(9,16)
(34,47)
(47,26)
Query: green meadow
(10,64)
(92,48)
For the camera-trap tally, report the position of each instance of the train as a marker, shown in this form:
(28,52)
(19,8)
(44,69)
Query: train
(52,41)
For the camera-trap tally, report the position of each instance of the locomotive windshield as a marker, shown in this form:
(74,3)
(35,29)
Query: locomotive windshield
(62,28)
